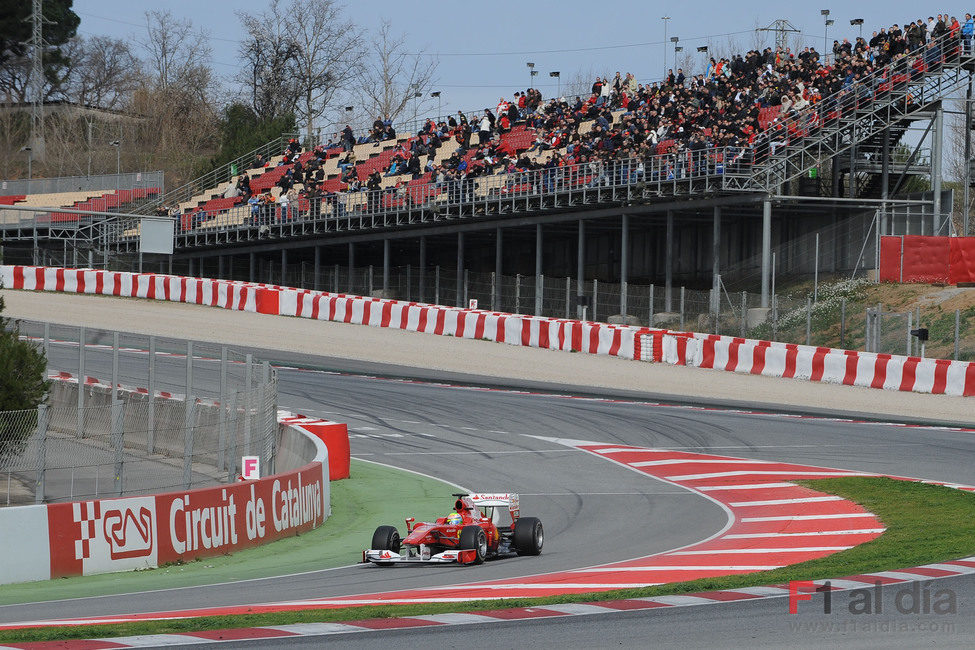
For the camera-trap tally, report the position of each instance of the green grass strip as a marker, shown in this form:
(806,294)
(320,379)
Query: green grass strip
(925,524)
(359,504)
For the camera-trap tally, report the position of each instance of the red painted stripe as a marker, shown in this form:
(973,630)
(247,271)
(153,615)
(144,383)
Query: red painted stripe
(880,371)
(99,282)
(910,370)
(526,332)
(421,323)
(594,339)
(707,353)
(733,353)
(151,293)
(851,367)
(316,304)
(614,349)
(479,328)
(19,277)
(940,376)
(386,319)
(932,573)
(59,280)
(871,579)
(965,563)
(791,353)
(79,281)
(461,324)
(404,316)
(499,329)
(969,389)
(818,364)
(76,644)
(441,317)
(758,357)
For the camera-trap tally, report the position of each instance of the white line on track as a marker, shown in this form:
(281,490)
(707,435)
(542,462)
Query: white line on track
(464,453)
(782,502)
(859,531)
(748,486)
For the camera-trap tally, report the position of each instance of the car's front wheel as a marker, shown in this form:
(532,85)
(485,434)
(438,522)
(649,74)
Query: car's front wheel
(386,538)
(473,538)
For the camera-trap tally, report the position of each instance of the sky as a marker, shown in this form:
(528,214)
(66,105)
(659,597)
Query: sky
(483,47)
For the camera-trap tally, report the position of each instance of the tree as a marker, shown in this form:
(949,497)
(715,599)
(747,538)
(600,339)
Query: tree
(61,24)
(104,72)
(270,55)
(327,54)
(23,386)
(390,78)
(242,131)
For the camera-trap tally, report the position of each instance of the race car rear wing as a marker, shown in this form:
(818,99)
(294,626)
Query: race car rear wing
(497,499)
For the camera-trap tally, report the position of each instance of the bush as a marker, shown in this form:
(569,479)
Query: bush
(23,383)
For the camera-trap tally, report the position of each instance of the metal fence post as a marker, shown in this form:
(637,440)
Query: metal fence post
(232,407)
(118,415)
(494,291)
(650,318)
(843,323)
(188,413)
(517,293)
(114,364)
(41,452)
(370,279)
(248,380)
(808,320)
(151,432)
(436,284)
(81,382)
(910,326)
(335,279)
(624,308)
(466,302)
(744,314)
(539,294)
(957,326)
(682,293)
(270,417)
(595,298)
(222,413)
(47,340)
(568,289)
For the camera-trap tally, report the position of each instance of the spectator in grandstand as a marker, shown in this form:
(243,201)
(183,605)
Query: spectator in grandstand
(348,138)
(967,30)
(255,203)
(484,129)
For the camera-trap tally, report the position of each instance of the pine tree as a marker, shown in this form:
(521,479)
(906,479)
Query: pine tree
(23,385)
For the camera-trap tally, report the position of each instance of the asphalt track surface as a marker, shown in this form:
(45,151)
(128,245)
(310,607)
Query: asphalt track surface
(593,510)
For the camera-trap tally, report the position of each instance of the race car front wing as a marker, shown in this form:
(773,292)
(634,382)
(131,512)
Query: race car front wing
(419,555)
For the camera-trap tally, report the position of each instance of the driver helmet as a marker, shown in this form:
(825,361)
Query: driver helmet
(454,519)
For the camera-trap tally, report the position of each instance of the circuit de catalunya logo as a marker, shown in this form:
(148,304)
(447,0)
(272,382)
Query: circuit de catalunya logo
(915,598)
(108,533)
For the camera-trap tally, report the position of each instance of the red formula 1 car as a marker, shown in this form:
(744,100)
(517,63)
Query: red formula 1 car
(477,529)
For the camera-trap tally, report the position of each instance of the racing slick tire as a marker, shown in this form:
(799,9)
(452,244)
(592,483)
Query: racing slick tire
(528,536)
(386,538)
(473,537)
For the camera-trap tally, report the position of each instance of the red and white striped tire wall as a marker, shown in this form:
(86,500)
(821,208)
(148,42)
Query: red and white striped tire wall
(767,358)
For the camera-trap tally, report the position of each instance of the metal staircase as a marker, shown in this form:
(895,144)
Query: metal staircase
(853,116)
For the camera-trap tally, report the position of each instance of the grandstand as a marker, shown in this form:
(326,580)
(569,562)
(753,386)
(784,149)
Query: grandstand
(657,179)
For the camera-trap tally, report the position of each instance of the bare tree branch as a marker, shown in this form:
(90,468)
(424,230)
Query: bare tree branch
(390,78)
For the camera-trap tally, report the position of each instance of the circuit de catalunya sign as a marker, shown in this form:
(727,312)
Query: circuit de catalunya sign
(106,535)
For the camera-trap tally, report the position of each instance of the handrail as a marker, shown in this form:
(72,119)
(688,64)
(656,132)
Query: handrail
(765,141)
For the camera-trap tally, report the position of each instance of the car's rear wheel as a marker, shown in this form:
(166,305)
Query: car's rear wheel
(386,538)
(473,538)
(528,536)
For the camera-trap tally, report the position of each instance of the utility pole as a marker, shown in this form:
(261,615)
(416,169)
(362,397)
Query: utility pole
(782,28)
(37,80)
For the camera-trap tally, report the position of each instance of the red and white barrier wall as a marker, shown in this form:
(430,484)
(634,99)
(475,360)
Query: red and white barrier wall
(126,533)
(766,358)
(827,365)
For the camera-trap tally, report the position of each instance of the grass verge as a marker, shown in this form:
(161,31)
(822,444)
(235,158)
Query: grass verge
(925,524)
(358,503)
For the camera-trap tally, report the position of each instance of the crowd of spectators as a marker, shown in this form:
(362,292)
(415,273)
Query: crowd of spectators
(621,118)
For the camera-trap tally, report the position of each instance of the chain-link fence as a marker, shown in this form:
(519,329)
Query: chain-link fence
(149,414)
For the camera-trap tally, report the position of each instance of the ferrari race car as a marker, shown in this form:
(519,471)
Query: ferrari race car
(478,528)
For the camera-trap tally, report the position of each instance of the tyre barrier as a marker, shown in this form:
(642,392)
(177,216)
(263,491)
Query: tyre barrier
(766,358)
